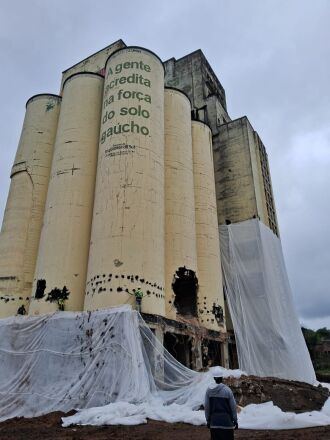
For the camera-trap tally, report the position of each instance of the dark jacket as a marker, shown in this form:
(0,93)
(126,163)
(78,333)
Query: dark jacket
(220,407)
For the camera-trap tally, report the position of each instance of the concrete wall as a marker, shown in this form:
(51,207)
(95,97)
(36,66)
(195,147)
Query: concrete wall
(241,194)
(265,177)
(64,243)
(233,173)
(209,274)
(180,231)
(94,63)
(127,240)
(194,76)
(240,183)
(20,233)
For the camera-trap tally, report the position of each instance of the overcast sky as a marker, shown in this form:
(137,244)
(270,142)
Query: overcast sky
(271,56)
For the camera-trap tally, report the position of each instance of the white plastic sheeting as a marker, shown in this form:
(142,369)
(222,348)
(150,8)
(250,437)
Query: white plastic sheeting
(262,416)
(268,334)
(66,360)
(112,367)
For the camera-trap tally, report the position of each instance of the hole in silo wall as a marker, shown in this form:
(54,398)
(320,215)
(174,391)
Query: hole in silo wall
(40,290)
(185,288)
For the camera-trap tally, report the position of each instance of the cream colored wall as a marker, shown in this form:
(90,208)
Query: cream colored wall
(180,231)
(127,240)
(23,216)
(207,236)
(64,243)
(95,63)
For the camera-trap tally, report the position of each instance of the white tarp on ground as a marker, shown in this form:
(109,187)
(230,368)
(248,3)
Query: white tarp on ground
(268,334)
(262,416)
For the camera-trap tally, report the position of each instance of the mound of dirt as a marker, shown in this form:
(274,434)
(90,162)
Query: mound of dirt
(287,395)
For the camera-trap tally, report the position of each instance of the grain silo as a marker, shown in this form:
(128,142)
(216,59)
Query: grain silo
(124,211)
(23,216)
(64,242)
(127,239)
(210,294)
(180,233)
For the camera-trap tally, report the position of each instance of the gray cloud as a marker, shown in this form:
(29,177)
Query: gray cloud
(272,57)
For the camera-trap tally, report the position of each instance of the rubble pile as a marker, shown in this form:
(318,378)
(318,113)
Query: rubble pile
(287,395)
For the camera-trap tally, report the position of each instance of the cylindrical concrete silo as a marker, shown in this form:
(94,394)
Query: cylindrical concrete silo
(20,234)
(127,239)
(180,232)
(64,243)
(210,293)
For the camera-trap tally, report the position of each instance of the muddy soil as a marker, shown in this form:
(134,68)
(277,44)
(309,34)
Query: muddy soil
(49,428)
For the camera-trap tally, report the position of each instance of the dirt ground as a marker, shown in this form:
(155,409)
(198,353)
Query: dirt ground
(49,428)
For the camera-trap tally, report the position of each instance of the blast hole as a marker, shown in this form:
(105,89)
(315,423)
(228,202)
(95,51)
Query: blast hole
(185,287)
(40,290)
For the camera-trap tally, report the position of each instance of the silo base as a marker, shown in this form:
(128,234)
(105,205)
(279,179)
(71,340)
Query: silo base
(192,345)
(69,360)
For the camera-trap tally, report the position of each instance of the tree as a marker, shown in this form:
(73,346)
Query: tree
(323,333)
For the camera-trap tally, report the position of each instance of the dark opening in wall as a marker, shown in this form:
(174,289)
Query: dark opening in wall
(232,352)
(185,287)
(179,346)
(215,352)
(211,353)
(21,310)
(40,290)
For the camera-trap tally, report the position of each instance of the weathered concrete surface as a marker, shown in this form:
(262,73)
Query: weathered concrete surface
(127,238)
(180,228)
(242,175)
(210,294)
(64,242)
(194,76)
(94,63)
(20,233)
